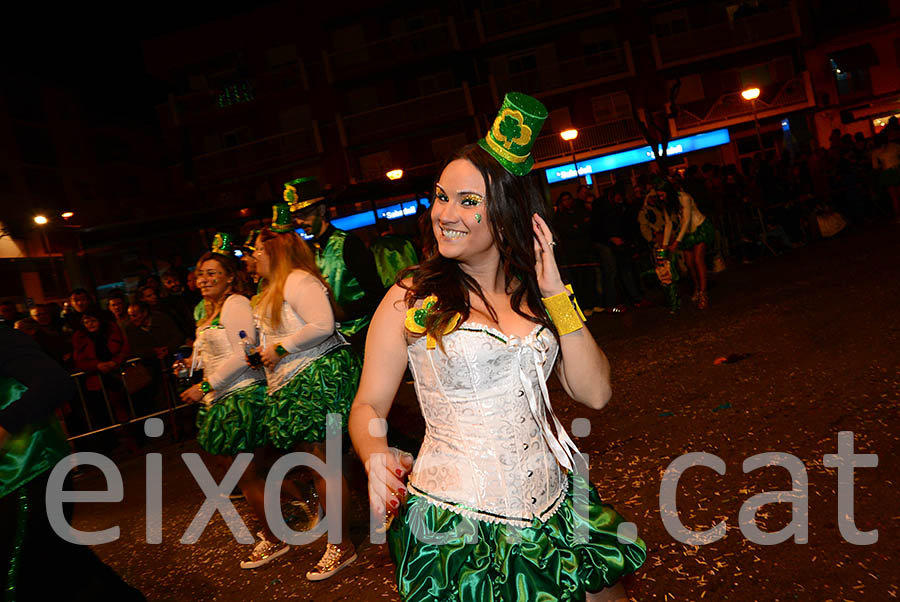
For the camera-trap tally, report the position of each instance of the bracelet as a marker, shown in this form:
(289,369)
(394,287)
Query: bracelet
(280,350)
(564,311)
(205,387)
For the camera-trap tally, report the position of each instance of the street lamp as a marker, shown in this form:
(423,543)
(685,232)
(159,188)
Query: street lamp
(67,215)
(570,135)
(40,220)
(394,174)
(752,94)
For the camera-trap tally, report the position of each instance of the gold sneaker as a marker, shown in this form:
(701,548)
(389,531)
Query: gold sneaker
(333,560)
(264,552)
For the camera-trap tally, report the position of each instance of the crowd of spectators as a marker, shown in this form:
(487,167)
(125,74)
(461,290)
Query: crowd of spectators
(772,204)
(96,344)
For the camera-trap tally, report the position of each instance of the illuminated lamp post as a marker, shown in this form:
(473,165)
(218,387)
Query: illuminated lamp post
(394,174)
(569,136)
(41,220)
(752,94)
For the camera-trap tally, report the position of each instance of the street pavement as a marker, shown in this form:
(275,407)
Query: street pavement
(812,337)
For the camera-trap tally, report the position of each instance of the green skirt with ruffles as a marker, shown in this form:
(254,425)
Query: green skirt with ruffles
(561,559)
(235,422)
(296,412)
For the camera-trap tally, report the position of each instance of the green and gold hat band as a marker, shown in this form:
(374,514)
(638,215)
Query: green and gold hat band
(251,238)
(515,131)
(223,244)
(302,193)
(281,218)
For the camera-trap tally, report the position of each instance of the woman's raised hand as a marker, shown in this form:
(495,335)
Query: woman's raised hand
(548,278)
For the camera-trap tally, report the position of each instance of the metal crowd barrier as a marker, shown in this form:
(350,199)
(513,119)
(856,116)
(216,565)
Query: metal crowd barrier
(170,395)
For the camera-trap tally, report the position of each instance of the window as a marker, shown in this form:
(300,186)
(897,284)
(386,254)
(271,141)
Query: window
(436,82)
(362,99)
(691,88)
(611,107)
(670,23)
(281,55)
(443,147)
(597,40)
(850,68)
(236,137)
(375,165)
(294,118)
(521,63)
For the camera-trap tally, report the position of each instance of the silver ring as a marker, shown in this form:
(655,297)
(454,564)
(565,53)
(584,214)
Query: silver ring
(552,243)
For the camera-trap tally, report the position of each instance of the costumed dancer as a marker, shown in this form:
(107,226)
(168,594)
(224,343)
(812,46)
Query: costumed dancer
(232,417)
(37,563)
(311,369)
(482,320)
(694,234)
(341,256)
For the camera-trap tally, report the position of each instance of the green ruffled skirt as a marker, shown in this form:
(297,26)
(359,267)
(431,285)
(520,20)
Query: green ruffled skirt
(705,232)
(235,423)
(297,411)
(499,562)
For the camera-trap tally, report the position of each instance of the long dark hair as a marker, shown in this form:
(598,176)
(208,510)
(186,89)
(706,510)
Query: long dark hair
(510,202)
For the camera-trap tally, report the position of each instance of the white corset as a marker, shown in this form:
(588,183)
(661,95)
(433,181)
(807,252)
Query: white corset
(489,446)
(293,362)
(212,348)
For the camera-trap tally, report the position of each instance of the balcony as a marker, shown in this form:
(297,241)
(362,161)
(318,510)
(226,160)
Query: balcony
(590,138)
(731,108)
(724,38)
(536,14)
(259,155)
(388,52)
(569,74)
(406,117)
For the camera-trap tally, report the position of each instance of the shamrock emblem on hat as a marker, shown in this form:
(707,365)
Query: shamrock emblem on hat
(290,193)
(510,128)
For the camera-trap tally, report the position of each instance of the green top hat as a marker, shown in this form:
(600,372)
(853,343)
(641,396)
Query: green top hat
(302,193)
(223,244)
(251,238)
(281,218)
(514,132)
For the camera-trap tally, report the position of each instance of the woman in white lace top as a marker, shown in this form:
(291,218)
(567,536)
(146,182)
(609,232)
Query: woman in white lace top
(495,507)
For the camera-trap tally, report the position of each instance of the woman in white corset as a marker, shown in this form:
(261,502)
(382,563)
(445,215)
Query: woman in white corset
(311,370)
(232,417)
(493,508)
(693,237)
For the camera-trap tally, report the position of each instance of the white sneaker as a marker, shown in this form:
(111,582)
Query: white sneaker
(264,552)
(333,560)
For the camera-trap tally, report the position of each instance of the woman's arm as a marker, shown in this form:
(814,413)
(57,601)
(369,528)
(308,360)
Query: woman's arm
(382,373)
(236,316)
(306,296)
(686,202)
(583,368)
(84,356)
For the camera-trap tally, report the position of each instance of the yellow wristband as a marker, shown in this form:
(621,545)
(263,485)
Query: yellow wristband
(564,311)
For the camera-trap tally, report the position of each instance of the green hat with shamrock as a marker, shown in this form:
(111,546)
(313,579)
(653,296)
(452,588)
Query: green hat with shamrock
(281,218)
(302,193)
(514,132)
(223,244)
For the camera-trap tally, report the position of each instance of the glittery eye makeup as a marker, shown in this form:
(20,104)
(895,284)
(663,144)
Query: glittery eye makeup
(471,199)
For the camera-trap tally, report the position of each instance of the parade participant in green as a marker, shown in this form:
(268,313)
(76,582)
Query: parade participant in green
(342,258)
(233,393)
(496,508)
(392,253)
(310,368)
(37,563)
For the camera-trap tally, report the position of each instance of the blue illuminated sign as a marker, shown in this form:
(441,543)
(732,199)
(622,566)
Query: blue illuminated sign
(367,218)
(644,154)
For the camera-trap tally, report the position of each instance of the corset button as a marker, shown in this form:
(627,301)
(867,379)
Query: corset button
(530,473)
(520,392)
(521,420)
(534,500)
(524,446)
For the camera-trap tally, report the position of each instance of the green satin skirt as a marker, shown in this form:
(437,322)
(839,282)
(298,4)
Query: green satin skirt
(296,412)
(493,562)
(235,423)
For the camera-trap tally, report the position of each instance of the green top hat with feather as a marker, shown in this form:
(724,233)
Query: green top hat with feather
(223,244)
